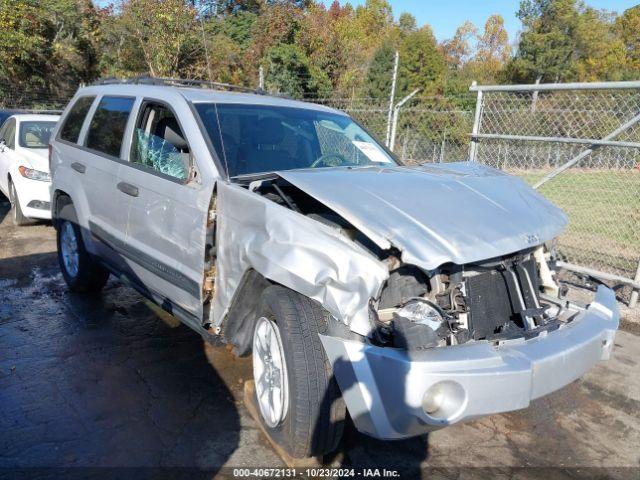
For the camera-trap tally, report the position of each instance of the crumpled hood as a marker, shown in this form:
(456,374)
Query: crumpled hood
(456,212)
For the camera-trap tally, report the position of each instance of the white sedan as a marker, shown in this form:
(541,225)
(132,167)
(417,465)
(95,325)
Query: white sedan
(24,165)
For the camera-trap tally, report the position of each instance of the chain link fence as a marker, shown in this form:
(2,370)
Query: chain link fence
(579,144)
(16,97)
(428,130)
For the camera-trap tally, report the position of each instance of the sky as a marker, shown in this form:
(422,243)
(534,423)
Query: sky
(445,16)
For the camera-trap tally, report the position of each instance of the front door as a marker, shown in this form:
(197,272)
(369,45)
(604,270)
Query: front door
(167,212)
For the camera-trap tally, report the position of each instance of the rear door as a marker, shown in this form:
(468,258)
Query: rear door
(167,207)
(97,164)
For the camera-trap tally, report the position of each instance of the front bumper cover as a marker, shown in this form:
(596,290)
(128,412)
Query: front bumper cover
(384,387)
(32,191)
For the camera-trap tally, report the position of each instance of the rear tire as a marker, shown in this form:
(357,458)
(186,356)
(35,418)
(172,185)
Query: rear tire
(80,270)
(16,210)
(312,419)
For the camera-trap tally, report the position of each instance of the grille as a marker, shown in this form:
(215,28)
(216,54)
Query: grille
(489,304)
(493,298)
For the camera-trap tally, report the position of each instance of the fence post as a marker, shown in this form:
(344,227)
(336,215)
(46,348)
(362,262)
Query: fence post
(261,78)
(206,49)
(534,97)
(392,98)
(396,114)
(473,148)
(633,301)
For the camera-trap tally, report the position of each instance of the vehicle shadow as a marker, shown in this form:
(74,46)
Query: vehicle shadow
(362,452)
(96,387)
(5,207)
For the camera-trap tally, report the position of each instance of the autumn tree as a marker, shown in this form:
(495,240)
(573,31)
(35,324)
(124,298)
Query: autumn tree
(547,44)
(379,75)
(627,28)
(321,40)
(459,49)
(600,52)
(164,33)
(275,25)
(374,17)
(407,23)
(564,40)
(49,46)
(494,50)
(289,72)
(422,63)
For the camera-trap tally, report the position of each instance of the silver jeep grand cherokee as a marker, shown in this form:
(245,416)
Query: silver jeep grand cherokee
(411,297)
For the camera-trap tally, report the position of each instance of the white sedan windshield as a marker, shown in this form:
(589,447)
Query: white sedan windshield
(35,134)
(251,139)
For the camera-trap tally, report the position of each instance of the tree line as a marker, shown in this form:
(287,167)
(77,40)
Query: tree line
(305,49)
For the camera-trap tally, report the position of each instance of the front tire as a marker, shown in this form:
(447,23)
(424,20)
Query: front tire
(306,415)
(16,210)
(80,270)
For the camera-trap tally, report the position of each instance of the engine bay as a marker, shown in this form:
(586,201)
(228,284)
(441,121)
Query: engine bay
(500,299)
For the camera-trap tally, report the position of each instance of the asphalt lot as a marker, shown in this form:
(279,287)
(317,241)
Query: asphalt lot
(103,383)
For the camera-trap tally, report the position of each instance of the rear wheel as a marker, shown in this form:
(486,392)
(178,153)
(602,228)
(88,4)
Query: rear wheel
(16,210)
(79,269)
(298,398)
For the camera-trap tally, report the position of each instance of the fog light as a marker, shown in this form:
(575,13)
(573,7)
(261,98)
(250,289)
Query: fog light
(433,399)
(39,204)
(444,400)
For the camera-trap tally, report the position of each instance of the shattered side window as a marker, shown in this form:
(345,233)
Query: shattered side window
(158,154)
(158,142)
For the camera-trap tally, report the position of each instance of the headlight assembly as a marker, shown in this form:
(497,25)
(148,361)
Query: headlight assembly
(422,312)
(32,174)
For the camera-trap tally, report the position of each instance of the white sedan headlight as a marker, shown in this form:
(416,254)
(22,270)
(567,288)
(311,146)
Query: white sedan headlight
(32,174)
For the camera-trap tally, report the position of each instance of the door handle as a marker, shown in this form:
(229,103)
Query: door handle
(127,188)
(78,167)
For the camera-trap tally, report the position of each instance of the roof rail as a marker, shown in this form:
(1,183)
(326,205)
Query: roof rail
(176,82)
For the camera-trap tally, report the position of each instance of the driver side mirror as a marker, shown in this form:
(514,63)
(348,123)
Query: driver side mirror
(193,175)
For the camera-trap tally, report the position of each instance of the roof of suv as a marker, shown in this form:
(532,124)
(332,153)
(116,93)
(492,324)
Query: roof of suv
(199,95)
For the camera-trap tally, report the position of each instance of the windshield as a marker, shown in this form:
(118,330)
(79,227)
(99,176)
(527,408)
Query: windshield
(35,134)
(252,139)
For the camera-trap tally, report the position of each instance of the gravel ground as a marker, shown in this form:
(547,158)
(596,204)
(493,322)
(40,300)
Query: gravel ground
(101,387)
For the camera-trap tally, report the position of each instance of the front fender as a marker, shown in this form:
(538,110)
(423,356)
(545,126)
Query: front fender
(295,251)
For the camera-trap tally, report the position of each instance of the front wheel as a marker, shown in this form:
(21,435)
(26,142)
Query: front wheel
(79,269)
(16,210)
(298,398)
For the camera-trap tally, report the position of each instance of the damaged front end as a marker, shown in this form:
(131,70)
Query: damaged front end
(439,283)
(494,300)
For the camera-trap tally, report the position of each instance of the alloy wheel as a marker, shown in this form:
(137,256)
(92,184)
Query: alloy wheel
(69,249)
(270,372)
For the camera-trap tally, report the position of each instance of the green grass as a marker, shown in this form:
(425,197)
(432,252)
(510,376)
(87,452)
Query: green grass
(603,207)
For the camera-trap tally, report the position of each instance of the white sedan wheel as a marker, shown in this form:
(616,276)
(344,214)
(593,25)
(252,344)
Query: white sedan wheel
(270,372)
